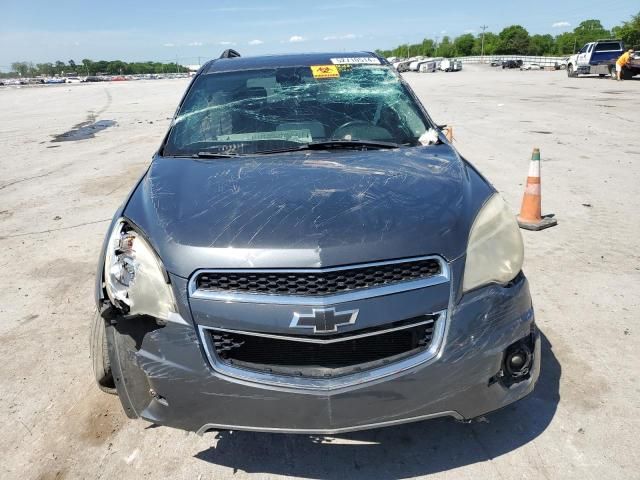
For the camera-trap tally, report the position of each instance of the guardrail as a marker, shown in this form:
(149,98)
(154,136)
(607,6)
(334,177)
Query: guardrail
(544,61)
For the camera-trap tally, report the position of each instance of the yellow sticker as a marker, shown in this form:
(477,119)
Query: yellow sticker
(325,71)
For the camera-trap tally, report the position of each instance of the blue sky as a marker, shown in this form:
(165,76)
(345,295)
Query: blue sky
(39,31)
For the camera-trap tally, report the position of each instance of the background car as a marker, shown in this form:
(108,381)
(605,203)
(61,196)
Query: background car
(531,66)
(511,63)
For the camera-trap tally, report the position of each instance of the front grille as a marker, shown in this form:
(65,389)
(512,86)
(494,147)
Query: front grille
(317,283)
(295,356)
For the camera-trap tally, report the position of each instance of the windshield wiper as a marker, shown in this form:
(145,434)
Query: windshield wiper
(214,155)
(330,144)
(335,145)
(324,145)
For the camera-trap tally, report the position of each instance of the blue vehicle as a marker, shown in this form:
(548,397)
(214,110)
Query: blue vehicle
(595,58)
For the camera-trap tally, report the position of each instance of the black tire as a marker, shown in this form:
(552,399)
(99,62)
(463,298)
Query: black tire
(571,72)
(100,355)
(626,74)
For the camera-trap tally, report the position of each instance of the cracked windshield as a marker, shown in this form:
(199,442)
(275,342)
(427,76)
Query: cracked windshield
(258,111)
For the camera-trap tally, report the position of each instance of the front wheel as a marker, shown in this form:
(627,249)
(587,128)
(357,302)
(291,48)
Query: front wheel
(571,72)
(100,355)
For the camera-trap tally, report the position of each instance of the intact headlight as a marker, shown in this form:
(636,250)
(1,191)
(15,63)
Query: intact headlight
(495,251)
(133,275)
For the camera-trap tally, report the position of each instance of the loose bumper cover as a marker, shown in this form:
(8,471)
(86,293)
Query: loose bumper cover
(165,373)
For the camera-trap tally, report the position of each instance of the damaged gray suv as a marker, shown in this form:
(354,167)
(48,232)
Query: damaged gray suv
(308,253)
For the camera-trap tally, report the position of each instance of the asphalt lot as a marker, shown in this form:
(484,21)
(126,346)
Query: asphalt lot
(581,422)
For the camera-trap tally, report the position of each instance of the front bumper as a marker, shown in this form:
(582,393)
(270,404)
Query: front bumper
(163,375)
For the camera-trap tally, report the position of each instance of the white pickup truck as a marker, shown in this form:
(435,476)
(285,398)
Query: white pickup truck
(600,58)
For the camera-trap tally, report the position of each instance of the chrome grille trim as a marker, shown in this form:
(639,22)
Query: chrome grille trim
(321,340)
(251,377)
(333,299)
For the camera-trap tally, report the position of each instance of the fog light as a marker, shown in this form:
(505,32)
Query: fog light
(518,360)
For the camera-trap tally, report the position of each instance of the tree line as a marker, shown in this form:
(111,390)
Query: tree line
(515,40)
(88,68)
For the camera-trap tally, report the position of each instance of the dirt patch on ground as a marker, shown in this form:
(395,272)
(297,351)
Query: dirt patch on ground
(101,418)
(92,422)
(113,184)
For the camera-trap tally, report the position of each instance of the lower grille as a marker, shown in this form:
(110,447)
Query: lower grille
(327,356)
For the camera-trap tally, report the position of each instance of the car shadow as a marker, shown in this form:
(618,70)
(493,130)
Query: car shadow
(397,452)
(607,77)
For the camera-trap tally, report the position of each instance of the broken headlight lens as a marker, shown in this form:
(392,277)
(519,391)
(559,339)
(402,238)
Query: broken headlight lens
(495,251)
(134,276)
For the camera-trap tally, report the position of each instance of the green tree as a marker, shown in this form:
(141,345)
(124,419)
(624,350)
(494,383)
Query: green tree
(589,31)
(541,45)
(21,68)
(117,67)
(427,47)
(59,67)
(629,32)
(463,45)
(490,44)
(513,40)
(87,66)
(445,48)
(565,44)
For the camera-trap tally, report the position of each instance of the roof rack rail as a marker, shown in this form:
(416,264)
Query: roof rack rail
(230,53)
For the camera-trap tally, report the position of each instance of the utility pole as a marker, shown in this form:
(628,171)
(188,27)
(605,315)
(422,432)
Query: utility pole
(483,27)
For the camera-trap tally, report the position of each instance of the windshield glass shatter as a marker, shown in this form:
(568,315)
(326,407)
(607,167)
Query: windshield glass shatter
(255,111)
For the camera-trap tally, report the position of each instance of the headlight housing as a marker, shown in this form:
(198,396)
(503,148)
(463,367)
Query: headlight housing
(495,251)
(133,275)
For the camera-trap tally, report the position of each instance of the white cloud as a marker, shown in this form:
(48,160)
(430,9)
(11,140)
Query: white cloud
(296,39)
(226,43)
(195,44)
(169,45)
(348,36)
(470,31)
(561,24)
(442,32)
(256,42)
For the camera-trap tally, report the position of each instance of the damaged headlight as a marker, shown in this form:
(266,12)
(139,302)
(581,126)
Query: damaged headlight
(134,278)
(495,251)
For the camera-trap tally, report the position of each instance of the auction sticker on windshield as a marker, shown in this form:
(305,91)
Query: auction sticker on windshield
(356,60)
(325,71)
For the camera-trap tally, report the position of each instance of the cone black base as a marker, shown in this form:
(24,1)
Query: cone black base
(546,222)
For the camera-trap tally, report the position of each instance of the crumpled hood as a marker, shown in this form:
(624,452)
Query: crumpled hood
(307,209)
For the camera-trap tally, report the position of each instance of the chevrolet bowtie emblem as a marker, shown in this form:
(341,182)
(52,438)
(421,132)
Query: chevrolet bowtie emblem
(324,320)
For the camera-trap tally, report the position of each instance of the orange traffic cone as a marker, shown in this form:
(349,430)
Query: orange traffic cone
(448,132)
(530,217)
